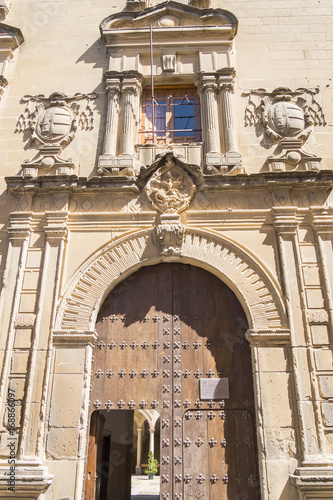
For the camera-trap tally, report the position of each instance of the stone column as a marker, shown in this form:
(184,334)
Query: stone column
(151,440)
(225,85)
(306,389)
(138,451)
(131,88)
(112,118)
(210,124)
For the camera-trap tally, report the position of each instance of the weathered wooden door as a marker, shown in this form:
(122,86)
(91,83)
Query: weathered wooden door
(160,332)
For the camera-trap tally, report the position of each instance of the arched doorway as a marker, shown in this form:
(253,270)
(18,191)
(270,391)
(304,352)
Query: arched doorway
(171,337)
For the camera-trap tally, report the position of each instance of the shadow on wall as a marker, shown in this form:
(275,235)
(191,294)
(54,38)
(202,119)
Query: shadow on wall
(96,56)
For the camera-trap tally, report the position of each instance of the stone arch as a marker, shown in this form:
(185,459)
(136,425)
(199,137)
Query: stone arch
(256,290)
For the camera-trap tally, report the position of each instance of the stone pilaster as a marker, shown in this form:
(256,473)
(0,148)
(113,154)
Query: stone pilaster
(39,366)
(18,233)
(226,87)
(112,119)
(305,384)
(131,88)
(71,365)
(209,112)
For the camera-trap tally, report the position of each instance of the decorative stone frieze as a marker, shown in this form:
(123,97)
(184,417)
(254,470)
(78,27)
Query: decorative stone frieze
(287,118)
(53,121)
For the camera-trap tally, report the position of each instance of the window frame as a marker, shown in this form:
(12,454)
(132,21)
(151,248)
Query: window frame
(168,134)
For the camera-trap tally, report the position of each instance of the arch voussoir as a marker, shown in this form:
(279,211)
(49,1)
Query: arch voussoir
(256,290)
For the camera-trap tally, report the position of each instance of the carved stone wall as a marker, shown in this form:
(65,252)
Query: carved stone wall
(252,204)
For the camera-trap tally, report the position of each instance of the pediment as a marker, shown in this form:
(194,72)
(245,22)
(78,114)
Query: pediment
(167,15)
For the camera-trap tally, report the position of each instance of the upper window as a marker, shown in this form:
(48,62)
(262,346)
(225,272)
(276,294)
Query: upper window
(173,116)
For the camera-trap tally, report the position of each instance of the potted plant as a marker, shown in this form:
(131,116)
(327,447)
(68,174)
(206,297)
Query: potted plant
(151,468)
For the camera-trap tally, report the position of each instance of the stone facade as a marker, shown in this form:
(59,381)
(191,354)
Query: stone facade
(84,204)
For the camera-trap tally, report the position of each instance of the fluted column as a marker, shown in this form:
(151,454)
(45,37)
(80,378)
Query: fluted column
(208,89)
(107,159)
(112,116)
(225,86)
(131,87)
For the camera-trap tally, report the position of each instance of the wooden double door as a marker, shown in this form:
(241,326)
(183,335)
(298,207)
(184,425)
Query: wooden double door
(160,332)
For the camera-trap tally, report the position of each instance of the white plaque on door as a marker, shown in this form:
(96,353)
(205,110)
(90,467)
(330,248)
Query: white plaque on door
(214,388)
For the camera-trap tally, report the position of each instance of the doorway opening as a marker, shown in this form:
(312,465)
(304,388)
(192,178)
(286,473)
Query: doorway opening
(119,444)
(171,340)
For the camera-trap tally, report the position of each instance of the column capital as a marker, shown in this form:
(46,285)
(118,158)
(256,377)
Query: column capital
(207,81)
(226,79)
(322,220)
(56,226)
(131,84)
(284,220)
(19,226)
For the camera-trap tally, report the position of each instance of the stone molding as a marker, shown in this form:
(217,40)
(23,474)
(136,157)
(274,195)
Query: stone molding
(285,220)
(19,226)
(268,338)
(74,338)
(256,290)
(314,482)
(31,479)
(322,220)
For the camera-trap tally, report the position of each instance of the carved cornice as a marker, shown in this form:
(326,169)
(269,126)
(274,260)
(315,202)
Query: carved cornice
(268,338)
(306,180)
(74,338)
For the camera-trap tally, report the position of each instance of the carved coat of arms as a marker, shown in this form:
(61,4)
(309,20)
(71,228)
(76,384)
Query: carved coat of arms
(53,121)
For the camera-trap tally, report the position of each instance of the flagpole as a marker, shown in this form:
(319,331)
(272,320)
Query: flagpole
(152,82)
